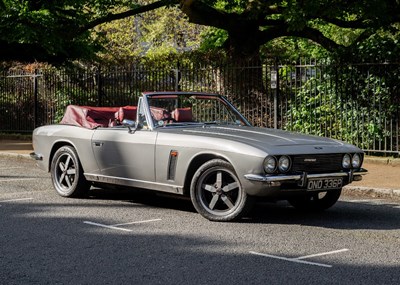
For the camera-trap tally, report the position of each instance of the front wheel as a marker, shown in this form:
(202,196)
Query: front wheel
(217,194)
(316,201)
(67,174)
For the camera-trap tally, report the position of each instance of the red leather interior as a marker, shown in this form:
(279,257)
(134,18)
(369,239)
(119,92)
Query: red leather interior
(93,117)
(126,112)
(183,115)
(160,113)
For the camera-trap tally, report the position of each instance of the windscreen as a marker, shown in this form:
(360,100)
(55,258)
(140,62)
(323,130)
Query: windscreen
(170,110)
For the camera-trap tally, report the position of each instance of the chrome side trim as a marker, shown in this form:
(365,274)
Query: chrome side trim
(299,177)
(36,156)
(134,183)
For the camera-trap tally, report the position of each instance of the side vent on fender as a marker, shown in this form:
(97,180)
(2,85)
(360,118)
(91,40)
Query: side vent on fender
(173,157)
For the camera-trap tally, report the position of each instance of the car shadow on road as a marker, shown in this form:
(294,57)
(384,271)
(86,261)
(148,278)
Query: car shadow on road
(343,215)
(145,197)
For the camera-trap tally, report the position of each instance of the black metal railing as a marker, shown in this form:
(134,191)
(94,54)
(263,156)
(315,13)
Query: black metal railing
(357,103)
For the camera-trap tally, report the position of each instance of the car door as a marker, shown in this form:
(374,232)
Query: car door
(121,154)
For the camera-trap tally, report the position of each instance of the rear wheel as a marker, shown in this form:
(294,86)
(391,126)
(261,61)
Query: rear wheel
(67,173)
(217,194)
(316,201)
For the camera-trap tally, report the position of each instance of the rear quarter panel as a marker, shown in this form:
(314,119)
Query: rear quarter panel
(47,139)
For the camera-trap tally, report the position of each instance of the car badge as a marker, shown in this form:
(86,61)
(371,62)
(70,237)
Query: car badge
(310,160)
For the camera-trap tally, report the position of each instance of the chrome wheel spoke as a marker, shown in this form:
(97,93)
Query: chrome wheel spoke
(61,165)
(227,201)
(209,188)
(230,187)
(67,172)
(71,171)
(68,181)
(219,180)
(61,178)
(214,201)
(67,162)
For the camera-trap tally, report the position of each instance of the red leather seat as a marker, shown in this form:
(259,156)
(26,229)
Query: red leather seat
(183,115)
(127,112)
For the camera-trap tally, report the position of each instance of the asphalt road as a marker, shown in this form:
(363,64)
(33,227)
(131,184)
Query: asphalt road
(131,237)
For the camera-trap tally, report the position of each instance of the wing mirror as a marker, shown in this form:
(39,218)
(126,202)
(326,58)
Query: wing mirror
(132,125)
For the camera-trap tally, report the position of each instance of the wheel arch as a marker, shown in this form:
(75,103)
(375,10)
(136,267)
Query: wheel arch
(195,163)
(55,147)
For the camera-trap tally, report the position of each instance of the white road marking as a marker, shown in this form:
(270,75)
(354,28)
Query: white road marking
(17,179)
(300,259)
(6,168)
(105,226)
(138,222)
(15,200)
(116,226)
(291,259)
(323,253)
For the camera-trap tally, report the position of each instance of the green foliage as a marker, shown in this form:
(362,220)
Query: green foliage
(56,30)
(213,39)
(292,49)
(59,30)
(325,106)
(382,46)
(158,33)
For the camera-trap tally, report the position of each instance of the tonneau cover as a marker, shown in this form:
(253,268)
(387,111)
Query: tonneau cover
(89,117)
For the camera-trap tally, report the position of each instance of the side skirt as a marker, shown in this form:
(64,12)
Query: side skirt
(134,183)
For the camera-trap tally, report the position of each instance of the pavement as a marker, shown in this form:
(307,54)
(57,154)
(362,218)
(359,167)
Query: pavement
(382,180)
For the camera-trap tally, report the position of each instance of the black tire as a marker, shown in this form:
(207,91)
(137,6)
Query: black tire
(67,173)
(316,201)
(217,194)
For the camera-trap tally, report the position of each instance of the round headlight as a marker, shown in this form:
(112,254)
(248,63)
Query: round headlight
(284,163)
(270,164)
(356,161)
(346,162)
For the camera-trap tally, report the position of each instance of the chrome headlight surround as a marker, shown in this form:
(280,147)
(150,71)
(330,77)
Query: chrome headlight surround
(356,160)
(284,163)
(270,164)
(346,161)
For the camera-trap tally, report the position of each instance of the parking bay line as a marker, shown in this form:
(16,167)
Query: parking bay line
(17,179)
(116,226)
(15,200)
(6,168)
(301,259)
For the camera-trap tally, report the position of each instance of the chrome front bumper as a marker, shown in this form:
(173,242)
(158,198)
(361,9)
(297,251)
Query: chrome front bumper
(276,180)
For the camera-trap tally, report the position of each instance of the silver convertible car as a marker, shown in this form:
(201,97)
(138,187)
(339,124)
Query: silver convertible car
(197,145)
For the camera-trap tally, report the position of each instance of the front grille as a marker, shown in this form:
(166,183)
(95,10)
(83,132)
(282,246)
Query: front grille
(317,163)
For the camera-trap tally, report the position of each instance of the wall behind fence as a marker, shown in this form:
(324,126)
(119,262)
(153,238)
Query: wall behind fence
(358,103)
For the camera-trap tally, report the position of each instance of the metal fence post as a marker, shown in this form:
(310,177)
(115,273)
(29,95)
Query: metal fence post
(177,77)
(35,99)
(275,88)
(99,87)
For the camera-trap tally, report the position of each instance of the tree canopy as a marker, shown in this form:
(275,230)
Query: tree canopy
(44,30)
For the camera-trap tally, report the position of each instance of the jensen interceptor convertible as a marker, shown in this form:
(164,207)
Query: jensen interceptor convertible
(197,145)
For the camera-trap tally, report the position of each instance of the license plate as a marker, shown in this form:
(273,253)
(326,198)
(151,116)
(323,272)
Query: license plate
(324,183)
